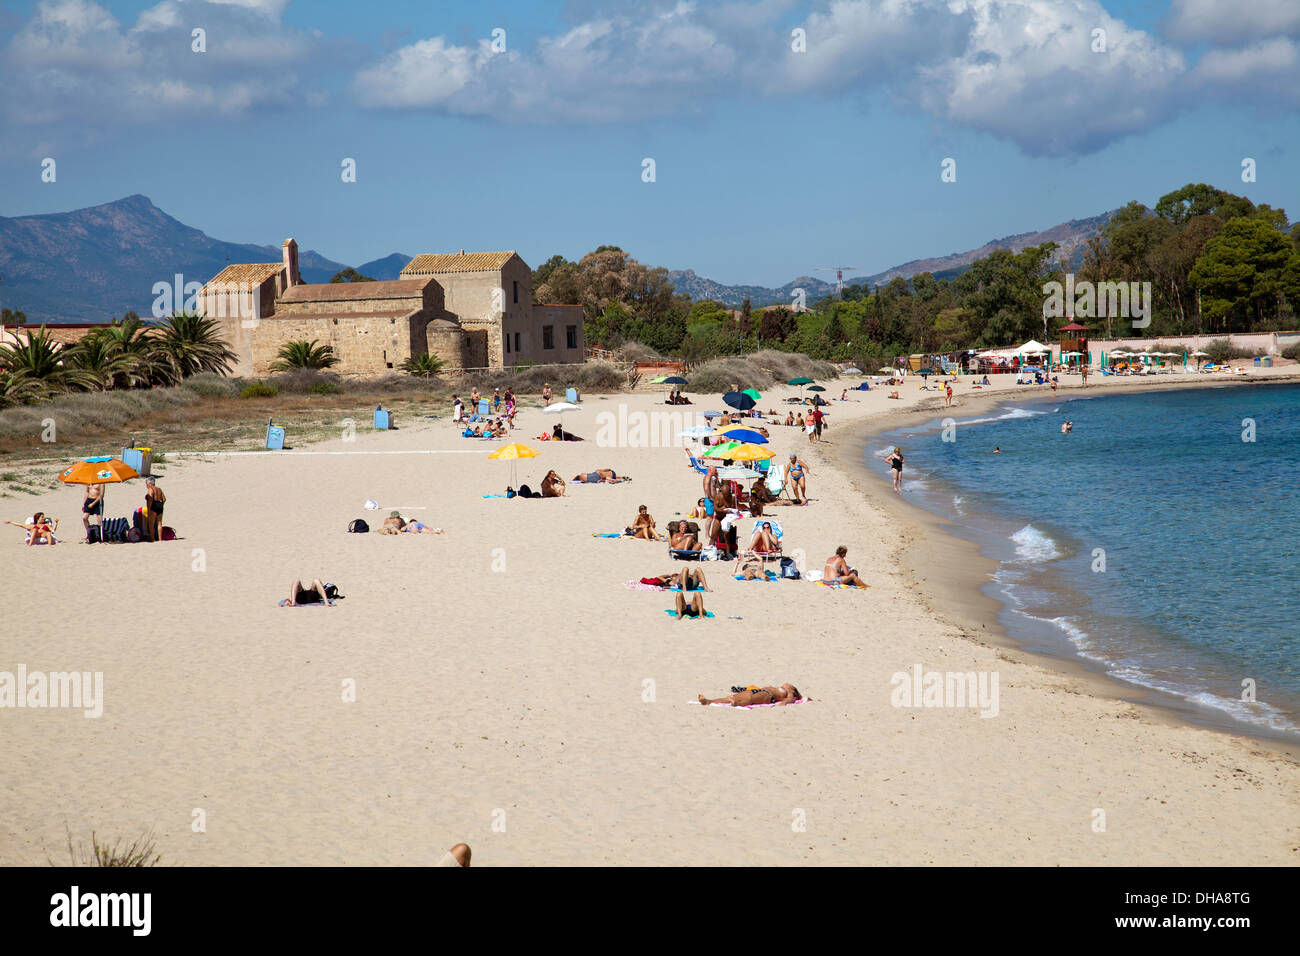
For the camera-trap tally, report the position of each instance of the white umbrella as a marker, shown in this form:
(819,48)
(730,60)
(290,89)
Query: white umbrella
(853,371)
(737,473)
(559,408)
(699,431)
(1199,354)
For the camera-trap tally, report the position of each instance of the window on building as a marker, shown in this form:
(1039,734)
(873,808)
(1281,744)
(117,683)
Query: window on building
(571,336)
(516,291)
(517,349)
(548,336)
(507,343)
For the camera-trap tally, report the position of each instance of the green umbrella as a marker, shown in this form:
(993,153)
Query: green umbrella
(719,451)
(657,381)
(799,381)
(815,388)
(752,393)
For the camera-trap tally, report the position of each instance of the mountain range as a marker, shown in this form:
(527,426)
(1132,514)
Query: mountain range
(92,264)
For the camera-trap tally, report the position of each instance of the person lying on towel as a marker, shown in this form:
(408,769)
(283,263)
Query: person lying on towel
(605,476)
(745,696)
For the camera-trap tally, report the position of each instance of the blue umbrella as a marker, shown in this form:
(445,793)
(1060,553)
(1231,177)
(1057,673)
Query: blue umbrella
(739,400)
(747,435)
(674,380)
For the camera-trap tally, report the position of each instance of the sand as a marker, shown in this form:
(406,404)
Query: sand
(512,694)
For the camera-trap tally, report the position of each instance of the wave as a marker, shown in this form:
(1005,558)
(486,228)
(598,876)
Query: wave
(957,501)
(1035,546)
(1009,415)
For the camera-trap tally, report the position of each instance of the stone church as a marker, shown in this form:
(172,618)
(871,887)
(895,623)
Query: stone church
(473,310)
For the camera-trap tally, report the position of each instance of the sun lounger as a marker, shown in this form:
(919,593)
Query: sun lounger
(695,463)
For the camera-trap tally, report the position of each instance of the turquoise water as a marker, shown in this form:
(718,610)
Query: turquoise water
(1157,541)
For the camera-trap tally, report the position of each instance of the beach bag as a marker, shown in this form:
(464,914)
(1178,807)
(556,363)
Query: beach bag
(510,492)
(92,534)
(789,569)
(526,492)
(133,536)
(168,534)
(358,526)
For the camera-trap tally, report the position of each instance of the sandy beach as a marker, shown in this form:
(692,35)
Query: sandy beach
(512,693)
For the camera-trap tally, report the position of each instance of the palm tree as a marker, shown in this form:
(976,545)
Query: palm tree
(299,354)
(426,365)
(101,359)
(16,388)
(39,357)
(138,344)
(193,344)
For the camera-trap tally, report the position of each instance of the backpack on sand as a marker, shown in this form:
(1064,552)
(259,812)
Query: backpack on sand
(358,526)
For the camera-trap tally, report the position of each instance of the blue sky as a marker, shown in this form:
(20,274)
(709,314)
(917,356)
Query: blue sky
(769,162)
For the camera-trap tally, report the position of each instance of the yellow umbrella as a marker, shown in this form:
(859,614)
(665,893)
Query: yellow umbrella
(512,453)
(747,452)
(514,450)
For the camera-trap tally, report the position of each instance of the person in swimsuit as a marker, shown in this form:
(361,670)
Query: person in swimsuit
(764,540)
(643,525)
(93,505)
(552,486)
(837,570)
(751,568)
(41,528)
(694,609)
(744,697)
(797,475)
(681,538)
(896,463)
(600,476)
(419,527)
(789,418)
(154,499)
(692,579)
(393,524)
(559,434)
(546,394)
(299,595)
(700,510)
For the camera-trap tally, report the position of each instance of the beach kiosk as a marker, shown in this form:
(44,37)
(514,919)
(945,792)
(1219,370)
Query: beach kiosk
(1074,338)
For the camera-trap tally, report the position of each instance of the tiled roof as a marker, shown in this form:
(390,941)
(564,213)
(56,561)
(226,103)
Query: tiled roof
(254,273)
(341,314)
(457,262)
(348,291)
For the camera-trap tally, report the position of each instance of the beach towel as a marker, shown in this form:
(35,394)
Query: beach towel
(851,587)
(285,602)
(496,496)
(754,706)
(672,613)
(607,534)
(767,576)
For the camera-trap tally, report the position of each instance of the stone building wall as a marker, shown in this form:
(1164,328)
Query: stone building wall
(363,346)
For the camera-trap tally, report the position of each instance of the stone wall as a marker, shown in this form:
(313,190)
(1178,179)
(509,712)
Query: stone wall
(373,346)
(486,301)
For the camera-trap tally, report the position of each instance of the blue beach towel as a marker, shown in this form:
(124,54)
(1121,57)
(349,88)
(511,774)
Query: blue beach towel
(671,613)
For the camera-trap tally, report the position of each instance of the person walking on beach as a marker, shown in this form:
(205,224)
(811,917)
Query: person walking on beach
(948,393)
(154,499)
(546,394)
(896,462)
(496,400)
(817,418)
(797,475)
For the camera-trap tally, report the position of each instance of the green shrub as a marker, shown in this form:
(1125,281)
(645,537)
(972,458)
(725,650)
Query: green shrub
(422,366)
(325,388)
(1292,351)
(259,390)
(1221,350)
(211,385)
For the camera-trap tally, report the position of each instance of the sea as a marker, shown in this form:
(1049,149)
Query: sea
(1158,542)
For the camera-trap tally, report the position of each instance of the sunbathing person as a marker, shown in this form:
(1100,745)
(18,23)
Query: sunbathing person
(552,486)
(692,579)
(601,476)
(693,609)
(785,694)
(789,419)
(41,529)
(559,434)
(419,527)
(393,524)
(299,595)
(751,568)
(799,421)
(837,570)
(681,538)
(700,510)
(763,540)
(643,525)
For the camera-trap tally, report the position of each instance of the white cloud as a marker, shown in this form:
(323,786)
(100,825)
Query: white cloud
(1225,23)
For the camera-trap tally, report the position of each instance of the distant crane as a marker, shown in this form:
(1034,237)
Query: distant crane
(839,277)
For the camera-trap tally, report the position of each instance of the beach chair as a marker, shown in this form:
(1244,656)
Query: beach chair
(695,463)
(776,555)
(776,479)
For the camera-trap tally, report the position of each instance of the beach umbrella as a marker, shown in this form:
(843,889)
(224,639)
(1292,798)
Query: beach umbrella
(698,431)
(853,371)
(884,371)
(720,451)
(674,380)
(738,473)
(747,451)
(711,414)
(752,393)
(741,434)
(800,381)
(739,401)
(98,471)
(657,380)
(512,453)
(559,408)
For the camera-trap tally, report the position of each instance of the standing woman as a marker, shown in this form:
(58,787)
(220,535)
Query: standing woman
(546,394)
(92,506)
(896,462)
(154,499)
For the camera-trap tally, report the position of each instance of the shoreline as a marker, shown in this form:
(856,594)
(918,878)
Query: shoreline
(510,667)
(953,588)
